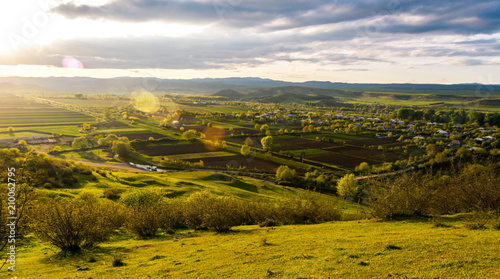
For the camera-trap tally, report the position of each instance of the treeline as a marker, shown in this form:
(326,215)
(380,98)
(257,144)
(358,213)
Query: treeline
(473,188)
(448,116)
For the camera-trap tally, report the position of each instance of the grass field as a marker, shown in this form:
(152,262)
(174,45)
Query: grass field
(346,249)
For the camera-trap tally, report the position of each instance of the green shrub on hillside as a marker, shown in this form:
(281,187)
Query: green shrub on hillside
(473,188)
(143,214)
(73,225)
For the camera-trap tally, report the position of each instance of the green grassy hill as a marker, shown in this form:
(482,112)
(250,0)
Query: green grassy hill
(348,249)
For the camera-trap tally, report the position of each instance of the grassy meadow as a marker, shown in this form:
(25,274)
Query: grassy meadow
(348,249)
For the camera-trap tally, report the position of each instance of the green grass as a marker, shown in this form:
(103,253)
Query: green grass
(349,249)
(183,184)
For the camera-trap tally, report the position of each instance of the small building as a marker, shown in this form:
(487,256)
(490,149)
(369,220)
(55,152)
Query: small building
(442,133)
(454,144)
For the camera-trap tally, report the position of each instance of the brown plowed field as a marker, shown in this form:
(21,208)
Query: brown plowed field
(301,143)
(369,154)
(236,161)
(368,142)
(173,149)
(144,136)
(341,160)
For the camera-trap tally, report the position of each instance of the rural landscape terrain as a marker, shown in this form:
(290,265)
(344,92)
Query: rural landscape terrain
(280,182)
(298,139)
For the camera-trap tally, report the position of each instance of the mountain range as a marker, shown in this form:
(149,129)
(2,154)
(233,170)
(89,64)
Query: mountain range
(210,85)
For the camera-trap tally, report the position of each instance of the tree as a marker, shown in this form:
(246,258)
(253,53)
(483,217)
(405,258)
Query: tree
(107,114)
(80,143)
(347,186)
(268,132)
(284,173)
(10,129)
(256,126)
(189,135)
(363,167)
(432,149)
(264,127)
(441,158)
(57,148)
(267,143)
(86,126)
(121,148)
(245,150)
(23,142)
(249,141)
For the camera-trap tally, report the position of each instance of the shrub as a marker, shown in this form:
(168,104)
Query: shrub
(171,214)
(473,188)
(112,193)
(196,206)
(73,225)
(284,173)
(221,214)
(118,261)
(143,214)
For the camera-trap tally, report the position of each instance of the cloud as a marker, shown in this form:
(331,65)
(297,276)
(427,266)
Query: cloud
(253,33)
(381,16)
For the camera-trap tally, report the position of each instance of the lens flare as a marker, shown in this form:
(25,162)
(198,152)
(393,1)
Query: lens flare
(145,101)
(72,63)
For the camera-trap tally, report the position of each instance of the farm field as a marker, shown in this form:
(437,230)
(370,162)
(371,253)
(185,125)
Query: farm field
(171,148)
(353,249)
(29,118)
(238,161)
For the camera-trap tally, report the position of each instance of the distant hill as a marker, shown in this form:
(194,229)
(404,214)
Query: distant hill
(8,86)
(229,93)
(207,86)
(287,94)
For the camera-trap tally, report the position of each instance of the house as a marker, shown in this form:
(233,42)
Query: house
(442,133)
(454,144)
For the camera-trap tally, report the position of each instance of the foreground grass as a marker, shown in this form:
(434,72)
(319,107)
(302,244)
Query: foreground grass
(353,249)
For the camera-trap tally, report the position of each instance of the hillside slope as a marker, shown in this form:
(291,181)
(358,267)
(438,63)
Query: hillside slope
(365,249)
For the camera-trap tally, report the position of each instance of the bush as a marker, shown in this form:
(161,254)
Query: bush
(112,193)
(221,214)
(196,206)
(73,225)
(473,188)
(118,261)
(171,214)
(143,214)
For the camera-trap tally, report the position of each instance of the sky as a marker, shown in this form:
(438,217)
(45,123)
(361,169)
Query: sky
(356,41)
